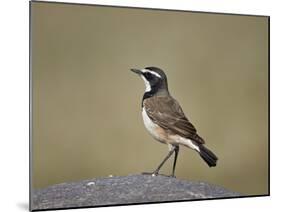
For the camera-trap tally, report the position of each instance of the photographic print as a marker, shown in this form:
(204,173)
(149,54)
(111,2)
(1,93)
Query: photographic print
(138,105)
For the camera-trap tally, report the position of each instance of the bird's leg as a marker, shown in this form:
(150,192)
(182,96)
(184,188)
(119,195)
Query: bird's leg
(162,163)
(177,148)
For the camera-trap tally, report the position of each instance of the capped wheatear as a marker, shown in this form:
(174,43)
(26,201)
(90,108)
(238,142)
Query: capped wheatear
(165,121)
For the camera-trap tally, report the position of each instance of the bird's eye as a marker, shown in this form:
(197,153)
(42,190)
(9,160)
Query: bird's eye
(148,75)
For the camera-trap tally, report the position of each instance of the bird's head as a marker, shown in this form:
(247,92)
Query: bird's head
(154,78)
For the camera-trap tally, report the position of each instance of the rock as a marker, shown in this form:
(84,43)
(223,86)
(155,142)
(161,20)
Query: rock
(124,190)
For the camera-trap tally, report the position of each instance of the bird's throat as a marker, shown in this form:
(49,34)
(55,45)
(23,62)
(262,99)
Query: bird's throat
(154,92)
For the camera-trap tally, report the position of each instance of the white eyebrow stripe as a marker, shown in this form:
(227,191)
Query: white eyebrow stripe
(152,72)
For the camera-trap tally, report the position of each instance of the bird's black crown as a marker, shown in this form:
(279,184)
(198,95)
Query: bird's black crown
(157,70)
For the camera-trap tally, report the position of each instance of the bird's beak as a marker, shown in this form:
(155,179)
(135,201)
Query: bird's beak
(137,71)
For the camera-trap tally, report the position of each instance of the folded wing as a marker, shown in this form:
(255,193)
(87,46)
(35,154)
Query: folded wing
(167,113)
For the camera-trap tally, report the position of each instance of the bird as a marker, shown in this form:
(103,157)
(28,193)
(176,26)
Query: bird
(165,120)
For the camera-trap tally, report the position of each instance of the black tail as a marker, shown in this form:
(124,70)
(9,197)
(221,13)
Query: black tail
(209,157)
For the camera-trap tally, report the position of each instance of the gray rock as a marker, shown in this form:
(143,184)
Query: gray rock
(124,190)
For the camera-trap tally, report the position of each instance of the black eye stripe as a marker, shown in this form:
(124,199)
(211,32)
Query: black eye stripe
(148,75)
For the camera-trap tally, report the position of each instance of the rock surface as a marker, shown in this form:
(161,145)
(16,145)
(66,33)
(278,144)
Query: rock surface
(124,190)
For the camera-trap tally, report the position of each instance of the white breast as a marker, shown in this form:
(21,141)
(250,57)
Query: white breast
(150,126)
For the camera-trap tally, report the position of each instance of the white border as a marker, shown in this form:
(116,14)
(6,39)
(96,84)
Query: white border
(14,102)
(257,7)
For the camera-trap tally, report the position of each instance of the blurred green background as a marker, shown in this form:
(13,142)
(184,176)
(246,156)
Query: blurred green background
(87,104)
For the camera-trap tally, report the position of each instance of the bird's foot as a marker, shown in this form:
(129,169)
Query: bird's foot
(153,174)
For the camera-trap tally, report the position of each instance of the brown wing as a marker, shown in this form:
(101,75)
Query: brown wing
(167,113)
